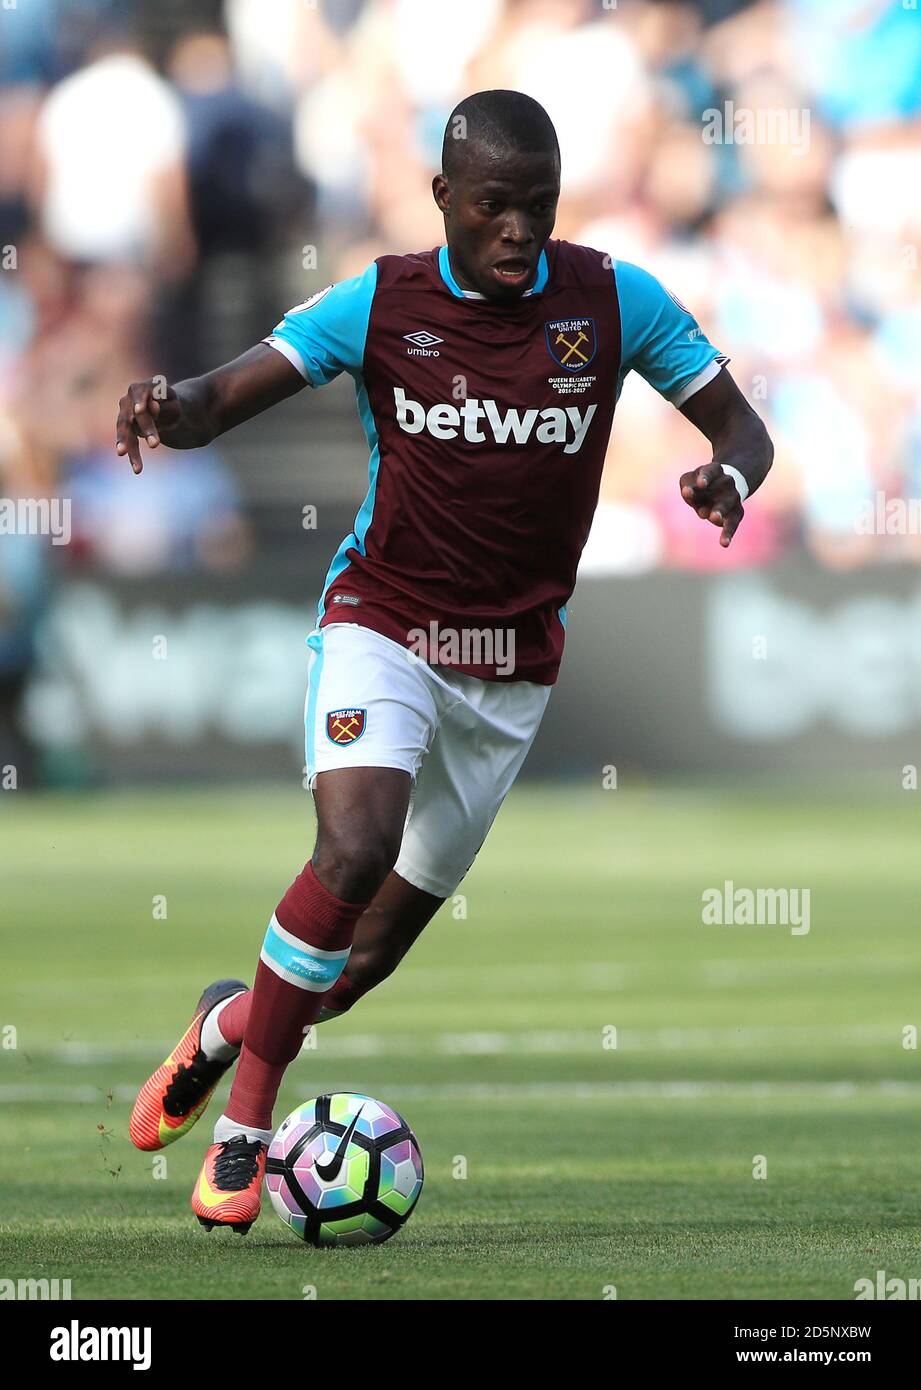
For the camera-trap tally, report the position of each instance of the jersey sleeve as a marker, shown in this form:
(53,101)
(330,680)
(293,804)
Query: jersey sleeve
(661,339)
(326,334)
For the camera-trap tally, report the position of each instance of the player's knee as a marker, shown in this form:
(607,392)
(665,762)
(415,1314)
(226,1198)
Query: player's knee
(354,864)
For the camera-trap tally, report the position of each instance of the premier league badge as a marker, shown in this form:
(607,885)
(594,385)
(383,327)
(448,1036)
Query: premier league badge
(345,725)
(571,342)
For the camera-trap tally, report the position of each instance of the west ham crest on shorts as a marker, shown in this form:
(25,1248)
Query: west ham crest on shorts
(571,342)
(345,725)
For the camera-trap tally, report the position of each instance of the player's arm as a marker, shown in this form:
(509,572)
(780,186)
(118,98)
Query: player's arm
(314,342)
(194,412)
(740,444)
(662,340)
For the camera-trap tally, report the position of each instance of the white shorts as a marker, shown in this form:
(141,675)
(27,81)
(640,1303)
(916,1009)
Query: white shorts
(372,703)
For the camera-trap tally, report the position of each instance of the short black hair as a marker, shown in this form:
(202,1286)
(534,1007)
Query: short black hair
(498,122)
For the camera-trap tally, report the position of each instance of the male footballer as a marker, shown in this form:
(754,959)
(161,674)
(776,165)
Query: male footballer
(486,376)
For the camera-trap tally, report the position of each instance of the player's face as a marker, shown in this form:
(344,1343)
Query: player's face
(498,215)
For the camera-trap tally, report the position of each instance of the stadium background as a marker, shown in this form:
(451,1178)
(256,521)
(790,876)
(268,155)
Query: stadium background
(172,177)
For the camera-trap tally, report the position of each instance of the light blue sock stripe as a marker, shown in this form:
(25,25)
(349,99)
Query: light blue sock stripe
(299,963)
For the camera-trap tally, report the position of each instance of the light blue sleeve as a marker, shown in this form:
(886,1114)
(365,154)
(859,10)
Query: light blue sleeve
(326,334)
(660,338)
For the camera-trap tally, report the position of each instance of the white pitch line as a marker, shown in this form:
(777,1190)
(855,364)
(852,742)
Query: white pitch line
(587,975)
(335,1042)
(545,1090)
(726,973)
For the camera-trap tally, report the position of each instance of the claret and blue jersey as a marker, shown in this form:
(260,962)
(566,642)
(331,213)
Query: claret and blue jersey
(487,426)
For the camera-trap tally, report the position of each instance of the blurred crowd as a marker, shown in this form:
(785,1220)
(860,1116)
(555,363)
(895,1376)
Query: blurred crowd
(172,175)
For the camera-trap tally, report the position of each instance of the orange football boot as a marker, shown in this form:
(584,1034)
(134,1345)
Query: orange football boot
(229,1187)
(173,1098)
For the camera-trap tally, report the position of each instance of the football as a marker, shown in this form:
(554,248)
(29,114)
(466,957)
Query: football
(344,1169)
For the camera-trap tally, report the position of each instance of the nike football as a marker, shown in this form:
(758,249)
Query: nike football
(344,1169)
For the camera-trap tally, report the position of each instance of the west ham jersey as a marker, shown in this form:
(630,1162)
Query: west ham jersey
(487,426)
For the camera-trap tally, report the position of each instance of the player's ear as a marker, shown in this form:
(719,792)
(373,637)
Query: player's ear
(441,193)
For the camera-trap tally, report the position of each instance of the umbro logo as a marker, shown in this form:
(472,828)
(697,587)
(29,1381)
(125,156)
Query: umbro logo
(423,343)
(422,339)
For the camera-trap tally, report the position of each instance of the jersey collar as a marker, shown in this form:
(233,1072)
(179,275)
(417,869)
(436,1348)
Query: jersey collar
(447,274)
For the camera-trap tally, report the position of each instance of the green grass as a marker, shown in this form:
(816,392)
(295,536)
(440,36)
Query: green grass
(587,1165)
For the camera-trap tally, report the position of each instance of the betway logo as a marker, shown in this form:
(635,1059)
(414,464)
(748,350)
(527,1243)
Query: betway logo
(557,426)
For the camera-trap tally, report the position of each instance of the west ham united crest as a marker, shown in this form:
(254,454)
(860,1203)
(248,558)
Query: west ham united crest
(345,725)
(571,342)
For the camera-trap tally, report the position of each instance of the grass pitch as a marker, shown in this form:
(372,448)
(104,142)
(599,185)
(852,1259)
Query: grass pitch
(558,1164)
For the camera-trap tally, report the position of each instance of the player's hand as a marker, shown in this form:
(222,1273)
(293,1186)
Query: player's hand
(143,409)
(714,497)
